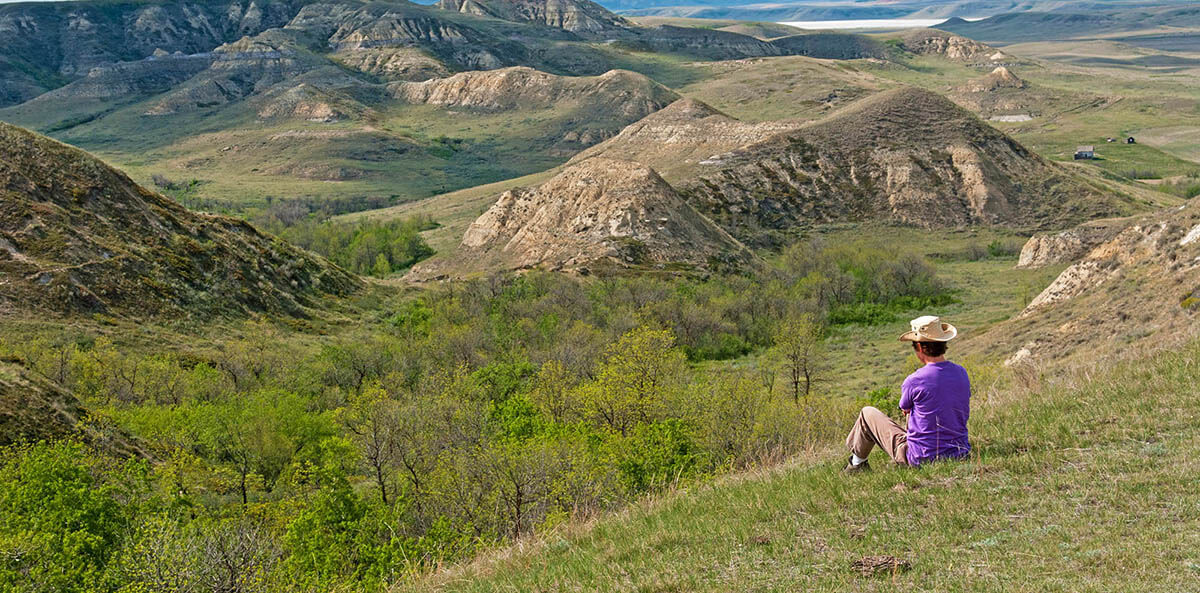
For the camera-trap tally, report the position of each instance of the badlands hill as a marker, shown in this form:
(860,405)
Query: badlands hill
(1002,92)
(577,16)
(1138,289)
(949,45)
(676,139)
(45,45)
(77,236)
(617,93)
(598,215)
(905,155)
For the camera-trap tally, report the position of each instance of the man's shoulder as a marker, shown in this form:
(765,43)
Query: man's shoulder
(915,377)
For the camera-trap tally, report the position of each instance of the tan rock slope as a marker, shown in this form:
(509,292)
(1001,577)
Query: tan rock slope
(1139,289)
(948,45)
(1000,78)
(675,140)
(577,16)
(1002,92)
(598,215)
(77,236)
(1069,246)
(617,93)
(905,155)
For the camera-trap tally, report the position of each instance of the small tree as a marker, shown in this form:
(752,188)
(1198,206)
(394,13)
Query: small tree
(381,268)
(635,382)
(800,350)
(373,418)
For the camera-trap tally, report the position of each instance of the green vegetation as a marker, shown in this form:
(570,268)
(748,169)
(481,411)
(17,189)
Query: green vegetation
(469,415)
(1084,483)
(373,248)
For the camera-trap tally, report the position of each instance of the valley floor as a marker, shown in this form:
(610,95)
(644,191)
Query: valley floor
(1090,483)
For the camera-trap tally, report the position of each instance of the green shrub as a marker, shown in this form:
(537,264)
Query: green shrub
(60,523)
(658,454)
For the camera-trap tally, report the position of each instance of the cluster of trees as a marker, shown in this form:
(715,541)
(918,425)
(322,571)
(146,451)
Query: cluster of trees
(370,248)
(475,413)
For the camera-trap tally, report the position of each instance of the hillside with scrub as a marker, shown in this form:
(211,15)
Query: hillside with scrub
(528,295)
(1078,482)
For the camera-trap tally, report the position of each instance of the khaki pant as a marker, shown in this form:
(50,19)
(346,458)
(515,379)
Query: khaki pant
(874,428)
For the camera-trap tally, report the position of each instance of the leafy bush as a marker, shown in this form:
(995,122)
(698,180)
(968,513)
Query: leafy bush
(61,521)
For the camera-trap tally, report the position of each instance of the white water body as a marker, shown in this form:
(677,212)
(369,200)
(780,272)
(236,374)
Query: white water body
(869,24)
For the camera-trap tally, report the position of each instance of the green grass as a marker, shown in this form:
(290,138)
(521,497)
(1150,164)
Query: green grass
(1085,485)
(988,291)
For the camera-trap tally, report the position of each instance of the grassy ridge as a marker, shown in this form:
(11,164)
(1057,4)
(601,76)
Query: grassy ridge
(1088,486)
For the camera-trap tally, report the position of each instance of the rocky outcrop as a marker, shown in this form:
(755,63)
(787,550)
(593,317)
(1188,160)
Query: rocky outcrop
(1139,289)
(77,237)
(64,41)
(1000,78)
(906,155)
(1067,246)
(935,42)
(1002,93)
(577,16)
(597,215)
(617,93)
(247,66)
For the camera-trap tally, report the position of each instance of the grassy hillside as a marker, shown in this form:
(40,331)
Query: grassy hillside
(1087,483)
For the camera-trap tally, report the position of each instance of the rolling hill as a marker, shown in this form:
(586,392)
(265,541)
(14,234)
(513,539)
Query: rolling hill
(676,139)
(78,237)
(1099,21)
(905,155)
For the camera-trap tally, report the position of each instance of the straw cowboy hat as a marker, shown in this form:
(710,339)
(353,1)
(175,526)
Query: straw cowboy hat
(930,329)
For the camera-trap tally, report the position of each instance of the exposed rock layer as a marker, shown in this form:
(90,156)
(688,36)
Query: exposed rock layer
(1140,288)
(905,155)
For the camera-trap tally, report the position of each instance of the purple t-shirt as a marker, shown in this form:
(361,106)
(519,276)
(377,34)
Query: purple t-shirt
(938,399)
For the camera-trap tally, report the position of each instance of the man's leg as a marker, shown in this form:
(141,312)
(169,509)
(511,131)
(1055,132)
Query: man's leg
(874,428)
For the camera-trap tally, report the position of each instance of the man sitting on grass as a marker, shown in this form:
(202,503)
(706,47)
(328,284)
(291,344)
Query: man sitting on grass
(936,400)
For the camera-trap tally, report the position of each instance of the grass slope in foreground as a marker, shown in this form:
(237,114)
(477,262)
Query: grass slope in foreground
(1089,486)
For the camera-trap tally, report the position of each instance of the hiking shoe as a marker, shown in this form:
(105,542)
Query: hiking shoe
(853,469)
